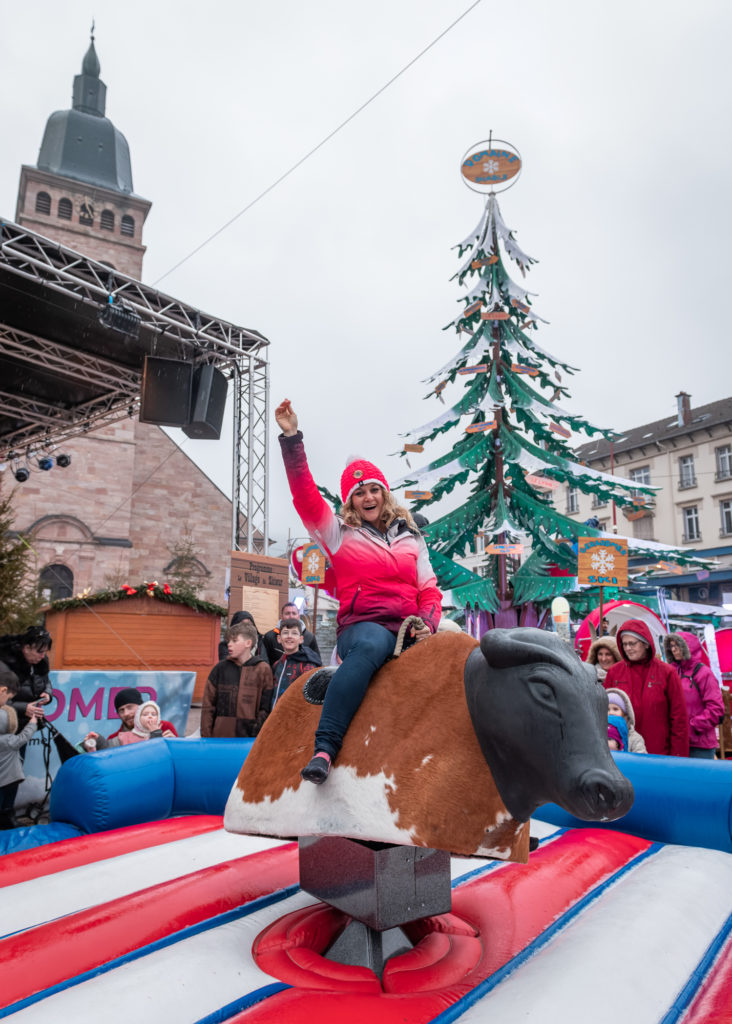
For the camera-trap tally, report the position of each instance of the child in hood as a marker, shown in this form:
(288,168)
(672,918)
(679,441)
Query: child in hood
(701,690)
(617,733)
(147,726)
(621,707)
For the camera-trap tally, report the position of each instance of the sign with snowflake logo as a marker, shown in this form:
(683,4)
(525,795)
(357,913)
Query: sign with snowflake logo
(602,562)
(313,566)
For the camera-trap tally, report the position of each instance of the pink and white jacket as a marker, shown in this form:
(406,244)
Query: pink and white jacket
(380,579)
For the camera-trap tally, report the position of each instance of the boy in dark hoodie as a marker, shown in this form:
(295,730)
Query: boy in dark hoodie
(238,694)
(295,659)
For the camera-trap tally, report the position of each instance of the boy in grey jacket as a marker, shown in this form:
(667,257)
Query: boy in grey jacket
(11,765)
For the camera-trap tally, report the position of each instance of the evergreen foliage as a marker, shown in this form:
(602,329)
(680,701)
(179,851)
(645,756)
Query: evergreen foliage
(19,598)
(508,430)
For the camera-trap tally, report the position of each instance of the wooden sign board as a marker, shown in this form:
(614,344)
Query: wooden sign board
(418,495)
(677,570)
(490,166)
(313,566)
(602,561)
(476,264)
(544,483)
(480,368)
(530,371)
(469,310)
(494,314)
(560,430)
(520,305)
(414,448)
(504,549)
(259,584)
(480,428)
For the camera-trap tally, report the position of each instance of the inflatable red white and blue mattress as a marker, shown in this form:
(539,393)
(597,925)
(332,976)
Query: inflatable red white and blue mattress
(142,908)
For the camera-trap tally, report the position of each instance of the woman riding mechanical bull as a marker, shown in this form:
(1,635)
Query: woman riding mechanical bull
(383,576)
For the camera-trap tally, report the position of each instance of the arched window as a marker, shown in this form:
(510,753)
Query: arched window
(56,582)
(64,209)
(43,203)
(107,220)
(128,226)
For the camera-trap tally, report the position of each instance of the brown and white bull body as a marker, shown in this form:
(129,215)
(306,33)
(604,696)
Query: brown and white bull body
(411,770)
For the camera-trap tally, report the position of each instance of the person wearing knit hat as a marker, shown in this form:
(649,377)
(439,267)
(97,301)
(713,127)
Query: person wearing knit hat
(619,704)
(383,575)
(654,690)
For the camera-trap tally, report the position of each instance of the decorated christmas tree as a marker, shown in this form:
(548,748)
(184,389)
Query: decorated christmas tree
(511,433)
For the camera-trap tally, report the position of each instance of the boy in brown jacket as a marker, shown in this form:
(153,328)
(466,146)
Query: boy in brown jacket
(238,693)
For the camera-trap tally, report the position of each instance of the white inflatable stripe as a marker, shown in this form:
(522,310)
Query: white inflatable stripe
(628,955)
(179,984)
(66,892)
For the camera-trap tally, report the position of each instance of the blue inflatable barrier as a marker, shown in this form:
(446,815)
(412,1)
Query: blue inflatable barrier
(146,782)
(685,801)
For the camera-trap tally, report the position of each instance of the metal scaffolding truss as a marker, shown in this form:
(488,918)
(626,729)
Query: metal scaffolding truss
(251,449)
(63,372)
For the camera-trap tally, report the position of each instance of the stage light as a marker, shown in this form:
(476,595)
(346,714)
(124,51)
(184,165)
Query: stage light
(21,474)
(45,462)
(119,318)
(63,461)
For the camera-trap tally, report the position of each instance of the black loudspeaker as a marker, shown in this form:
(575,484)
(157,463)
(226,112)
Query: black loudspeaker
(166,392)
(207,408)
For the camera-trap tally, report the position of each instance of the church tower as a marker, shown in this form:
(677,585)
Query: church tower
(129,491)
(80,192)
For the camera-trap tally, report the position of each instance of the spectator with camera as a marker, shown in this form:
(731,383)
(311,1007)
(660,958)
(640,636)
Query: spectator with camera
(26,654)
(11,743)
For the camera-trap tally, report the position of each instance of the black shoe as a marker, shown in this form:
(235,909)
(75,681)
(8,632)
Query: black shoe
(316,770)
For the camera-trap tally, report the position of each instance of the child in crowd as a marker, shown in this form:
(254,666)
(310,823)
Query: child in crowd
(621,707)
(296,658)
(238,693)
(147,726)
(617,732)
(11,765)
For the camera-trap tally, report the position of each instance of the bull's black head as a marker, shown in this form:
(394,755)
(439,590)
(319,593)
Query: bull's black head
(540,716)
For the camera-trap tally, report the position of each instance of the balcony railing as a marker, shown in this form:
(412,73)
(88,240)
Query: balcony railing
(685,482)
(688,538)
(723,474)
(724,532)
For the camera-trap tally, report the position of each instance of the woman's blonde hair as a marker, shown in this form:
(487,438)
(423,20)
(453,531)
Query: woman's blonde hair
(389,512)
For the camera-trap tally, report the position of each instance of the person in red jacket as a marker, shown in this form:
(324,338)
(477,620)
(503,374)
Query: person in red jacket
(383,575)
(654,689)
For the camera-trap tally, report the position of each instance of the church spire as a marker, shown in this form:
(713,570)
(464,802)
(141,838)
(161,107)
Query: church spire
(90,92)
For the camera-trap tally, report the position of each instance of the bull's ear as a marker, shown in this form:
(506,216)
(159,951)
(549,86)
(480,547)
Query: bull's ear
(613,631)
(593,632)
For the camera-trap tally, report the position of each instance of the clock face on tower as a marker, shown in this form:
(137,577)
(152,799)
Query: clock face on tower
(86,211)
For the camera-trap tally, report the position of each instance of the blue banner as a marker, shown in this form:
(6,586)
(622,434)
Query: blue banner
(84,702)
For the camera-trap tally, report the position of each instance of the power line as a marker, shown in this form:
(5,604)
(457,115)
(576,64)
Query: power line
(315,149)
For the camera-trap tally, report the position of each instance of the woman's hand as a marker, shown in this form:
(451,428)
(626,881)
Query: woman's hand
(286,418)
(420,634)
(168,734)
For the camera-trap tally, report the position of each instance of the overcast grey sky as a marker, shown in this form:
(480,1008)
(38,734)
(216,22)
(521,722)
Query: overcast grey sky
(621,112)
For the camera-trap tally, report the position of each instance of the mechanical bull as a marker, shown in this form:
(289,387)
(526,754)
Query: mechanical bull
(453,748)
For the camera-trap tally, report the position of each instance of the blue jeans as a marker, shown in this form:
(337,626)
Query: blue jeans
(701,752)
(363,648)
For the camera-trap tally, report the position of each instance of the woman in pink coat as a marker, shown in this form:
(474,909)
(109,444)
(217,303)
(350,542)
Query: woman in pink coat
(701,690)
(654,690)
(383,575)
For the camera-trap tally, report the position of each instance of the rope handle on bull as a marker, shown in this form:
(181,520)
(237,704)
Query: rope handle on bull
(411,620)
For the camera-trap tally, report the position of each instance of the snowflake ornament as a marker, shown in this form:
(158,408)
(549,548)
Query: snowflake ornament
(490,166)
(313,563)
(603,562)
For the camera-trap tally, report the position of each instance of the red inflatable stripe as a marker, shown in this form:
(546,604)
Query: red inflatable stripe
(62,949)
(508,909)
(73,853)
(714,1001)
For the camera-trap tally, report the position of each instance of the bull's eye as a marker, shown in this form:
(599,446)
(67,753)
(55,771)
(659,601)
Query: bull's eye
(543,693)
